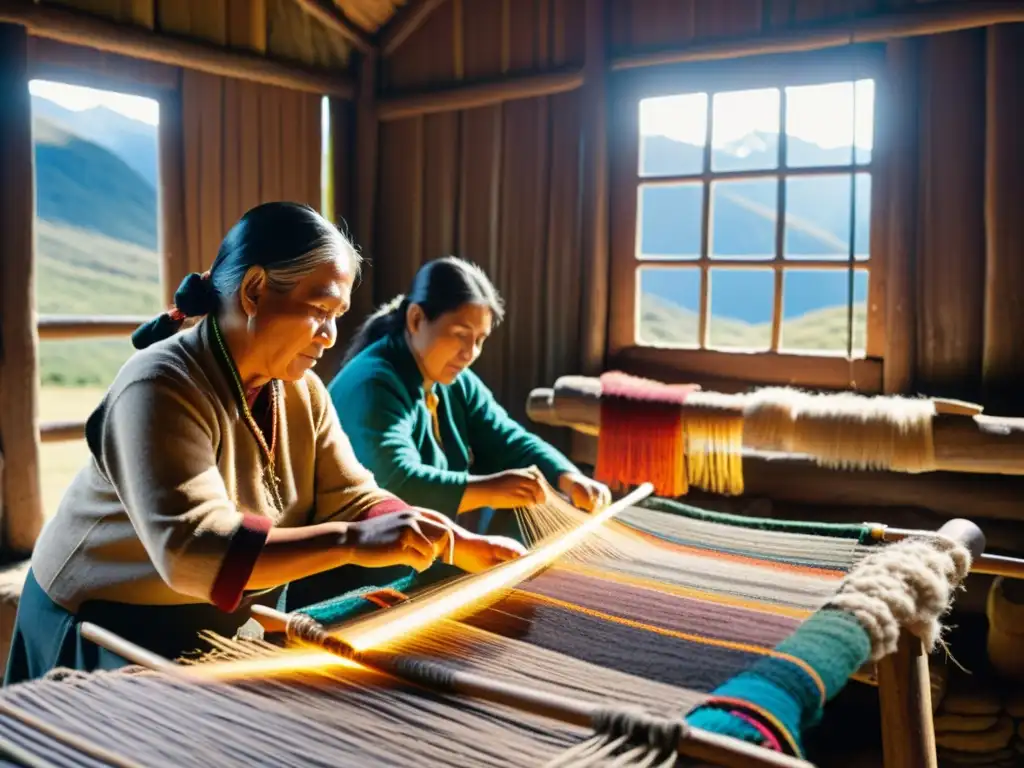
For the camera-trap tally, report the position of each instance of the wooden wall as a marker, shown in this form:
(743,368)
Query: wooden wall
(498,185)
(277,28)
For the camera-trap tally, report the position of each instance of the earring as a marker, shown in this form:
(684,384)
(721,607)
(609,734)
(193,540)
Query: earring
(250,324)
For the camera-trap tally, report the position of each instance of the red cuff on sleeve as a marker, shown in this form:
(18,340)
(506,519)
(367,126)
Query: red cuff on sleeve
(385,507)
(243,551)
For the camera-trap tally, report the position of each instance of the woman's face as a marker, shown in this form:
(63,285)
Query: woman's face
(293,329)
(448,345)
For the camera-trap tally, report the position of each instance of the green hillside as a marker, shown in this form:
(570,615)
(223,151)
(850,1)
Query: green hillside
(823,331)
(82,273)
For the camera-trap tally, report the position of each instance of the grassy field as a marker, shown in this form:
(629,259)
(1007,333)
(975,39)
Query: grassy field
(60,462)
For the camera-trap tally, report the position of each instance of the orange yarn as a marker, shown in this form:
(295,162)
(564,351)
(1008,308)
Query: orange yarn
(641,437)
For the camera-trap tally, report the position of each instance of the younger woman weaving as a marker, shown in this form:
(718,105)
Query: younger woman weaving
(427,426)
(218,466)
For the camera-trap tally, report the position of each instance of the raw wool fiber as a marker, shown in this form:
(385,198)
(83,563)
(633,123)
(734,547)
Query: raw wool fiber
(843,430)
(907,585)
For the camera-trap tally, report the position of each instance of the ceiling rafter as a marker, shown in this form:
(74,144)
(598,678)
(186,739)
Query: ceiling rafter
(407,20)
(332,17)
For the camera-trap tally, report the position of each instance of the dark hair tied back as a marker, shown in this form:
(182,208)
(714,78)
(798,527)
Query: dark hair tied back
(439,287)
(276,236)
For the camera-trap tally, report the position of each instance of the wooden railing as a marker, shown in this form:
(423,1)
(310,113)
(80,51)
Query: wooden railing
(57,327)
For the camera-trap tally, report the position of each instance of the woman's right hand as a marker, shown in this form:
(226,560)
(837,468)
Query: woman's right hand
(515,488)
(399,538)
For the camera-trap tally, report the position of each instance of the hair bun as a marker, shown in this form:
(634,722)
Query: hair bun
(195,296)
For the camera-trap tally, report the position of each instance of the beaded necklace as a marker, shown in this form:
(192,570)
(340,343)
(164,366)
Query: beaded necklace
(269,475)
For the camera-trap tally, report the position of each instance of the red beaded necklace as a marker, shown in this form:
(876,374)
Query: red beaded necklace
(270,476)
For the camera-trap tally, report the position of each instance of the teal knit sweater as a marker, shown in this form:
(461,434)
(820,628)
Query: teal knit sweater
(380,401)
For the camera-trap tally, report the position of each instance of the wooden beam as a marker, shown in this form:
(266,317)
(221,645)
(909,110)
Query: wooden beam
(982,445)
(367,129)
(925,19)
(79,28)
(21,500)
(87,326)
(595,213)
(328,14)
(407,20)
(61,431)
(479,94)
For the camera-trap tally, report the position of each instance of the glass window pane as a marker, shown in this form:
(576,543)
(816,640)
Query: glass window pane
(824,123)
(670,218)
(864,120)
(74,376)
(818,217)
(745,130)
(673,134)
(742,302)
(815,306)
(96,201)
(743,217)
(668,304)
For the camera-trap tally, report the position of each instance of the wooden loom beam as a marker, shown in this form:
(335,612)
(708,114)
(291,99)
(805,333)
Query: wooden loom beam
(88,31)
(963,443)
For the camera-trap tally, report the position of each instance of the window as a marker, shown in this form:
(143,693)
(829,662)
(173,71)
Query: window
(752,220)
(96,254)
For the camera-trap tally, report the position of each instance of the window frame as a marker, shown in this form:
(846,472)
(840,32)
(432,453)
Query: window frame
(626,90)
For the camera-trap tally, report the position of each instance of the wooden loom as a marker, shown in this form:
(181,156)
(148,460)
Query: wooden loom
(903,678)
(961,438)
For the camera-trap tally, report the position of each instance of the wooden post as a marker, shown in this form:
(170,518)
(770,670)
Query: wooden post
(899,234)
(365,192)
(594,318)
(22,503)
(904,684)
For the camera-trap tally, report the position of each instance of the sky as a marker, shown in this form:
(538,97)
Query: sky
(820,114)
(78,98)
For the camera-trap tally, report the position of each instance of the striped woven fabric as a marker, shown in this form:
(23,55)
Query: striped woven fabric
(672,605)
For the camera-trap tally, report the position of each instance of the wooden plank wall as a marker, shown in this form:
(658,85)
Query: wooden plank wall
(497,185)
(277,28)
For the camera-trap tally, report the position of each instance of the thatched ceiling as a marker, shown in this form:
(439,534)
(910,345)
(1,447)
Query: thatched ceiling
(371,15)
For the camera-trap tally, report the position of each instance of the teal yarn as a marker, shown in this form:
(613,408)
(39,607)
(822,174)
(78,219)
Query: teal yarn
(831,642)
(354,604)
(858,531)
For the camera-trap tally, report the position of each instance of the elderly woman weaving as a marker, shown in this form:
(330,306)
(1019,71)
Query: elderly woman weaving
(219,470)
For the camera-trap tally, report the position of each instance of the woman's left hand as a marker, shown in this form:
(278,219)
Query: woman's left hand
(470,551)
(583,492)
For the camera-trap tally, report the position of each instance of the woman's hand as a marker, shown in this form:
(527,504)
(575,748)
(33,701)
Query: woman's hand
(585,493)
(400,538)
(511,489)
(475,553)
(472,552)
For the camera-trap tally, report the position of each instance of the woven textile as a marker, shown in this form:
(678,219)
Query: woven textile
(667,608)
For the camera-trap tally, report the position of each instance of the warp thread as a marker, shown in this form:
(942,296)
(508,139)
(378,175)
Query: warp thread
(908,585)
(631,736)
(430,674)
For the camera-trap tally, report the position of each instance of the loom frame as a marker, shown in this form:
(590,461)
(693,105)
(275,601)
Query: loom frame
(902,678)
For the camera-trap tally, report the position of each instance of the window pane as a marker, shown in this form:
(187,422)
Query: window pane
(96,201)
(673,134)
(826,124)
(815,310)
(670,219)
(818,217)
(743,216)
(741,304)
(745,130)
(668,303)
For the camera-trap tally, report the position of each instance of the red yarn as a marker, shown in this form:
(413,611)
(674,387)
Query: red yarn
(641,437)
